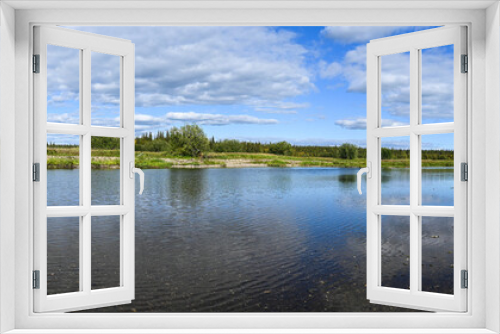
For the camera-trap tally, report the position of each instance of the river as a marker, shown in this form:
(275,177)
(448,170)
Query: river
(251,240)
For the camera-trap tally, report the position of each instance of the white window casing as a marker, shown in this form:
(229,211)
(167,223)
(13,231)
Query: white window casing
(483,297)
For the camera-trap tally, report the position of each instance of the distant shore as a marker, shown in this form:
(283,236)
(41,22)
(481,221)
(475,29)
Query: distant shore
(109,159)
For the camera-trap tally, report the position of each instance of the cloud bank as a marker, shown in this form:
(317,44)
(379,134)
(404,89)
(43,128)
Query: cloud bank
(252,66)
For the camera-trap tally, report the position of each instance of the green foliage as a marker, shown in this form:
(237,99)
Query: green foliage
(189,140)
(105,143)
(157,145)
(437,155)
(386,153)
(227,145)
(276,163)
(281,148)
(348,151)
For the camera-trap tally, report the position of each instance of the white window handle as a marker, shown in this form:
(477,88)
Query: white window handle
(133,171)
(368,171)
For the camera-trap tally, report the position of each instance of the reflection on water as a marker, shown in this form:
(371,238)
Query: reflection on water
(437,186)
(395,243)
(254,240)
(347,178)
(395,187)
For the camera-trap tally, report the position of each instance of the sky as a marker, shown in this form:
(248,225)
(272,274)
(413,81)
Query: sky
(305,85)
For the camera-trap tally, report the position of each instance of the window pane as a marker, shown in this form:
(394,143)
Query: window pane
(105,89)
(63,173)
(105,252)
(105,171)
(437,84)
(437,254)
(63,85)
(395,90)
(63,255)
(437,169)
(395,251)
(395,175)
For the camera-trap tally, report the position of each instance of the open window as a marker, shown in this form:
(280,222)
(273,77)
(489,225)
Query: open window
(103,68)
(417,217)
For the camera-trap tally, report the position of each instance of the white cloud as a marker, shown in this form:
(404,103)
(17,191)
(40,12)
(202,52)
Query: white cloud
(270,110)
(354,69)
(280,107)
(216,119)
(329,71)
(401,144)
(358,34)
(437,82)
(144,119)
(352,124)
(63,75)
(63,118)
(198,66)
(360,123)
(62,139)
(311,141)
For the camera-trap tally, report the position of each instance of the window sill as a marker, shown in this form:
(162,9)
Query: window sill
(250,331)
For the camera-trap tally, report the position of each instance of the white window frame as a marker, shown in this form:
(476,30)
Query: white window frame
(85,297)
(16,216)
(414,43)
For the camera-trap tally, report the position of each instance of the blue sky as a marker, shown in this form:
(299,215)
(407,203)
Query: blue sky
(305,85)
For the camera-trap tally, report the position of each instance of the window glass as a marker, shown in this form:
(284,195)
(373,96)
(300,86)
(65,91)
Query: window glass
(105,252)
(437,254)
(395,89)
(395,237)
(63,170)
(63,255)
(437,169)
(105,91)
(63,85)
(395,175)
(105,171)
(437,84)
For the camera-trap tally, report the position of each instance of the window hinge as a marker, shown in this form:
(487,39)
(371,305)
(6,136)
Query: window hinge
(465,279)
(465,64)
(36,279)
(36,63)
(464,171)
(36,172)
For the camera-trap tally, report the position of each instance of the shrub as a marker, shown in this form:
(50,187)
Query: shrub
(281,148)
(348,151)
(189,140)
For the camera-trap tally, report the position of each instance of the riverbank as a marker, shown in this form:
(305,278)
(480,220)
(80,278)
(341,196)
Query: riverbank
(68,158)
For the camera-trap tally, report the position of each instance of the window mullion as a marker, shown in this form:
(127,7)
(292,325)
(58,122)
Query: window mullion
(415,249)
(85,174)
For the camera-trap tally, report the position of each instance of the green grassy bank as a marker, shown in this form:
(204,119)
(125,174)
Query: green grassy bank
(68,158)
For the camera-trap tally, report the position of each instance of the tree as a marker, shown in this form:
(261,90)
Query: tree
(281,148)
(348,151)
(386,153)
(106,143)
(229,145)
(189,140)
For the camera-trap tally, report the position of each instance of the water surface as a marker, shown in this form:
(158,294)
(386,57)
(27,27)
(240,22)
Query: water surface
(256,240)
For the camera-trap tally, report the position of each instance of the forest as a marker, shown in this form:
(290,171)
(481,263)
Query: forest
(189,147)
(190,140)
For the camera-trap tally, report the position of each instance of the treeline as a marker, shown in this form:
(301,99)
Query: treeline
(166,142)
(190,140)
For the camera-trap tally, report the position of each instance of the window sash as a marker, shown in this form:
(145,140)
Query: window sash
(414,297)
(86,297)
